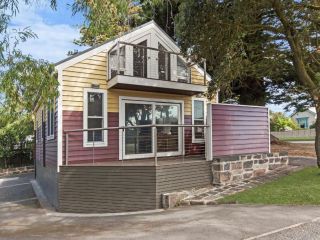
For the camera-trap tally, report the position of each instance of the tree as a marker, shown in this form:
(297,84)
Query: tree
(218,34)
(105,19)
(23,80)
(279,122)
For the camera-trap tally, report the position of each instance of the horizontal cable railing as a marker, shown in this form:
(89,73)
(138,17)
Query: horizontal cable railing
(144,144)
(139,60)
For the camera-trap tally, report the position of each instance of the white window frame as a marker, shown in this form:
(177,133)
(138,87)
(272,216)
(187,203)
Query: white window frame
(204,100)
(50,111)
(103,143)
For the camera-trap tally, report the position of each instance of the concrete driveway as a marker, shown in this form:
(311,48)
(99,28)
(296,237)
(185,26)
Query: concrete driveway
(21,218)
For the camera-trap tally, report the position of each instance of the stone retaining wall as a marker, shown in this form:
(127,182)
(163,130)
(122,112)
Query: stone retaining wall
(16,170)
(231,169)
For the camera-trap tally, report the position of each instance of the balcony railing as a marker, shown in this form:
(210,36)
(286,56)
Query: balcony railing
(139,60)
(143,142)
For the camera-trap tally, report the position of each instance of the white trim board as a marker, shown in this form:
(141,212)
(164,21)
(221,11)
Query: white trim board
(137,81)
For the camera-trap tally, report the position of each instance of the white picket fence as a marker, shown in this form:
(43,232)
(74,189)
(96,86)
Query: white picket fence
(295,133)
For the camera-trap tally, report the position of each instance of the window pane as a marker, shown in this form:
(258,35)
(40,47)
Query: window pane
(182,69)
(138,140)
(114,59)
(198,109)
(95,123)
(95,104)
(199,131)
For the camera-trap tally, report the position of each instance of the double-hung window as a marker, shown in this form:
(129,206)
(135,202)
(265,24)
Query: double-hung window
(198,118)
(95,116)
(50,121)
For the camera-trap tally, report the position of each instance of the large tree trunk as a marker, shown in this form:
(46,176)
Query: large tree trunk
(317,140)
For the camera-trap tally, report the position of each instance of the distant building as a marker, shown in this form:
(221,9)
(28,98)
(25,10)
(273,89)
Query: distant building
(305,119)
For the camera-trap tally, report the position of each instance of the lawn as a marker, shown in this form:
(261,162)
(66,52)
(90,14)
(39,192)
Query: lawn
(302,187)
(298,139)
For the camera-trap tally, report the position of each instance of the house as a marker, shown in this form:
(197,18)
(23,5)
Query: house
(131,122)
(306,118)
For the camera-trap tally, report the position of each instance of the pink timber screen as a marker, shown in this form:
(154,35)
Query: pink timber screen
(238,129)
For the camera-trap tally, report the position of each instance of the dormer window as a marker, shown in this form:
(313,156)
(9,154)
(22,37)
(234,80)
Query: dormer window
(182,70)
(114,62)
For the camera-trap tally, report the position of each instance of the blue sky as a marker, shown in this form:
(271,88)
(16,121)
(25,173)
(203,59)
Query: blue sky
(56,31)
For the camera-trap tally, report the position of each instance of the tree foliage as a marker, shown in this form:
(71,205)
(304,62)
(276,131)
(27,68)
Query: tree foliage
(280,122)
(23,80)
(291,28)
(105,19)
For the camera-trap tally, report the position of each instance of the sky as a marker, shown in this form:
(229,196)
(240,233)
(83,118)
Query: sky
(56,30)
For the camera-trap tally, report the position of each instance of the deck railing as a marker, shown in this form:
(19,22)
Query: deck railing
(139,60)
(144,142)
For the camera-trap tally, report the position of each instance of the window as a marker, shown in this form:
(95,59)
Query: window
(113,59)
(303,122)
(182,70)
(198,118)
(163,63)
(50,122)
(95,116)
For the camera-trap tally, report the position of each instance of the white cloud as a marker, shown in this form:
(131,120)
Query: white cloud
(54,40)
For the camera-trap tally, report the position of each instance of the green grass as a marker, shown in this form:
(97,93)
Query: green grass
(299,188)
(298,139)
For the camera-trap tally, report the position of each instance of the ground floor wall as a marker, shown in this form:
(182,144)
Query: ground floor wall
(47,178)
(97,189)
(100,189)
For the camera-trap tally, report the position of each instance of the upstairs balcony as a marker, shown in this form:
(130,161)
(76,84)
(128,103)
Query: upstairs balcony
(139,67)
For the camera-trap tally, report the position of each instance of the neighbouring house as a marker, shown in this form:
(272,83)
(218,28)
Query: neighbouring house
(306,118)
(132,122)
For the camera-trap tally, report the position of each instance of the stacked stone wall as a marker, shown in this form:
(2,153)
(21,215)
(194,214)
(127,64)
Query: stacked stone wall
(237,168)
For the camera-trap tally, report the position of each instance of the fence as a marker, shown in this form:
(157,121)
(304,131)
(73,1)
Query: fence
(17,158)
(306,133)
(100,145)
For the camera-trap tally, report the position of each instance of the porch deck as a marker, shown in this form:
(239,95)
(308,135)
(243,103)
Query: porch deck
(162,161)
(131,185)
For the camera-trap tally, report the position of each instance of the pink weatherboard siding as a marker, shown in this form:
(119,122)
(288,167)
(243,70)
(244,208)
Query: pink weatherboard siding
(238,129)
(78,153)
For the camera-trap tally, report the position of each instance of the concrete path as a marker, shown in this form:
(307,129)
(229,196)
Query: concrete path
(202,222)
(21,218)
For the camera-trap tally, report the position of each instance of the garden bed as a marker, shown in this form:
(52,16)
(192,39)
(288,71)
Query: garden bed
(294,149)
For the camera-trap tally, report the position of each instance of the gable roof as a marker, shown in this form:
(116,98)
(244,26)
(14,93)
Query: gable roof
(311,110)
(109,43)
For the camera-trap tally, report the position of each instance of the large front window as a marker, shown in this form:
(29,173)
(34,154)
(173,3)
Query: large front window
(95,117)
(139,138)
